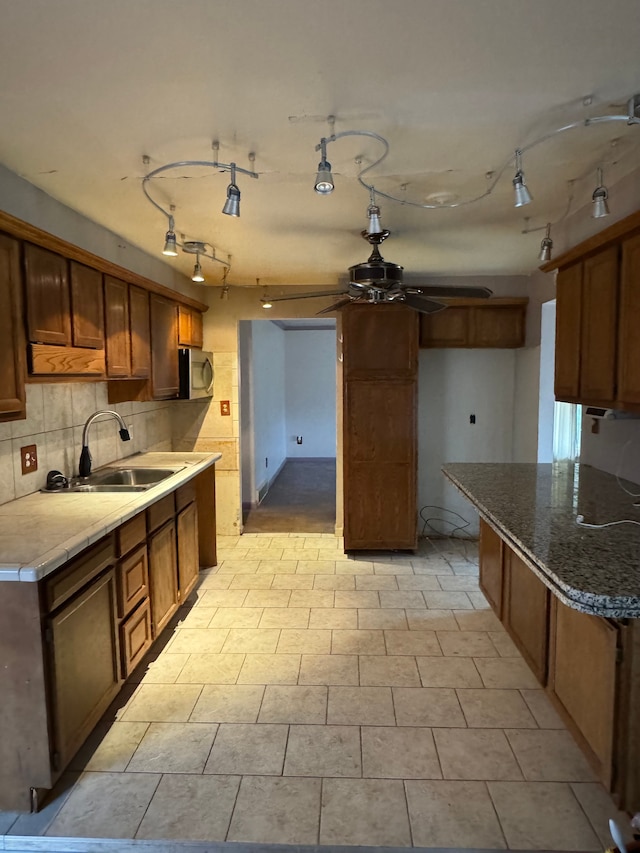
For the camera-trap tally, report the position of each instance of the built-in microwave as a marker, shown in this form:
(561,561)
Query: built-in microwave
(196,374)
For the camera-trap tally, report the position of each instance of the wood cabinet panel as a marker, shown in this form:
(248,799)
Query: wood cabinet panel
(77,573)
(118,339)
(582,678)
(448,328)
(629,323)
(131,533)
(568,324)
(160,512)
(498,326)
(135,638)
(599,327)
(188,557)
(526,612)
(87,307)
(164,348)
(47,296)
(139,320)
(380,339)
(133,580)
(476,323)
(190,330)
(491,572)
(12,344)
(83,650)
(163,576)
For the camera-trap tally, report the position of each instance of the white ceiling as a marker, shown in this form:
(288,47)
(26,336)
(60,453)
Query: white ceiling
(455,86)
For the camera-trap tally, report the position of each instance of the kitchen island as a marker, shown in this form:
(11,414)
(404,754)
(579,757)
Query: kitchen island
(569,595)
(90,580)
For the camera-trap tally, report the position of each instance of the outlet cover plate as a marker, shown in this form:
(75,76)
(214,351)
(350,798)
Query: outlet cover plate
(29,459)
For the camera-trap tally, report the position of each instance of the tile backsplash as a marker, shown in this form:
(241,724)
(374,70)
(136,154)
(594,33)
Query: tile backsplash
(56,414)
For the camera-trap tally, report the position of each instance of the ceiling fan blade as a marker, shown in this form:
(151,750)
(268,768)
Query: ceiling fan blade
(307,295)
(336,305)
(422,303)
(444,291)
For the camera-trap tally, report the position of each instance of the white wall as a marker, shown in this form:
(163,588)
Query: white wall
(268,372)
(310,392)
(452,385)
(614,448)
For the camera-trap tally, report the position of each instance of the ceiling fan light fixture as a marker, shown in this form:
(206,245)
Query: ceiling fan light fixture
(373,225)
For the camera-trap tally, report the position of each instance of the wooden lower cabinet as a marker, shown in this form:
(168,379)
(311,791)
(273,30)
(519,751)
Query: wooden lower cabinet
(491,574)
(163,576)
(526,612)
(582,680)
(135,637)
(82,650)
(188,559)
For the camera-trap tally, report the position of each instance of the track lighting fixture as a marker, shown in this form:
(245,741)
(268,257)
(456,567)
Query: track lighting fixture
(546,245)
(373,214)
(599,199)
(522,194)
(202,250)
(324,179)
(197,271)
(266,302)
(231,205)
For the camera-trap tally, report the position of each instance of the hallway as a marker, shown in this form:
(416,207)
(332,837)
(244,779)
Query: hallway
(307,697)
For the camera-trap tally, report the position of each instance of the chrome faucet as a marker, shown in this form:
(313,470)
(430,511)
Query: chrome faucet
(84,468)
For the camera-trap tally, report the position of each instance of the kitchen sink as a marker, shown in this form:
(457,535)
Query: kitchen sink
(119,480)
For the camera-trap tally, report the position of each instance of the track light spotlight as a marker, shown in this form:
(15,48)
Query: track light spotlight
(546,246)
(373,213)
(324,179)
(599,198)
(197,271)
(170,246)
(522,194)
(232,204)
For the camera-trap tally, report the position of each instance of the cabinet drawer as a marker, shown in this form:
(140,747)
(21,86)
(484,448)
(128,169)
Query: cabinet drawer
(135,638)
(160,512)
(133,581)
(79,572)
(185,495)
(132,533)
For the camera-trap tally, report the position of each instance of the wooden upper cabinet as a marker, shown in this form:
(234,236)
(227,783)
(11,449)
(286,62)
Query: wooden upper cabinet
(140,332)
(380,340)
(47,296)
(12,351)
(164,348)
(189,327)
(629,324)
(599,327)
(568,322)
(116,314)
(476,323)
(87,306)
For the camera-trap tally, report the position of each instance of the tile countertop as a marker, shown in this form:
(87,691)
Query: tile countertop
(534,508)
(40,532)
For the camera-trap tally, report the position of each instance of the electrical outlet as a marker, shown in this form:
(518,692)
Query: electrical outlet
(225,407)
(29,458)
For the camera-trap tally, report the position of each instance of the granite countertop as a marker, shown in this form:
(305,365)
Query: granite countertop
(535,507)
(40,532)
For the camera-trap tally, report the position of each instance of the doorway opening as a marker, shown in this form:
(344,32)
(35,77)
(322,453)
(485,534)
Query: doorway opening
(288,425)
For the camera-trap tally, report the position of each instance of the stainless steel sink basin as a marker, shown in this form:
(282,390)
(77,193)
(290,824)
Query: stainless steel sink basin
(119,480)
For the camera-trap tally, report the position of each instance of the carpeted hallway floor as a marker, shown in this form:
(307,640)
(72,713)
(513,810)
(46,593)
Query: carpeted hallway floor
(301,499)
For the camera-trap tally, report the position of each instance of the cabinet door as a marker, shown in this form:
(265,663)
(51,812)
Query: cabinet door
(47,296)
(12,352)
(493,326)
(87,307)
(140,333)
(629,323)
(164,348)
(83,657)
(599,327)
(582,677)
(491,566)
(163,576)
(116,312)
(189,327)
(448,328)
(188,559)
(526,612)
(568,321)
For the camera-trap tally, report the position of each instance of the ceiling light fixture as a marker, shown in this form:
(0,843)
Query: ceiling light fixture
(546,245)
(522,194)
(202,250)
(373,214)
(231,206)
(266,302)
(324,179)
(197,271)
(599,199)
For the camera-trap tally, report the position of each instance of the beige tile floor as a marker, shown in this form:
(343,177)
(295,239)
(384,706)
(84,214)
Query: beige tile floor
(307,697)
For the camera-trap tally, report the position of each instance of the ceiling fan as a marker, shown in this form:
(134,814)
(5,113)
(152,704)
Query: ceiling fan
(377,281)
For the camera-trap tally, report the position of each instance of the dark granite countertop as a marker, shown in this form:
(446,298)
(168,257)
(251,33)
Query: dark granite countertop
(535,507)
